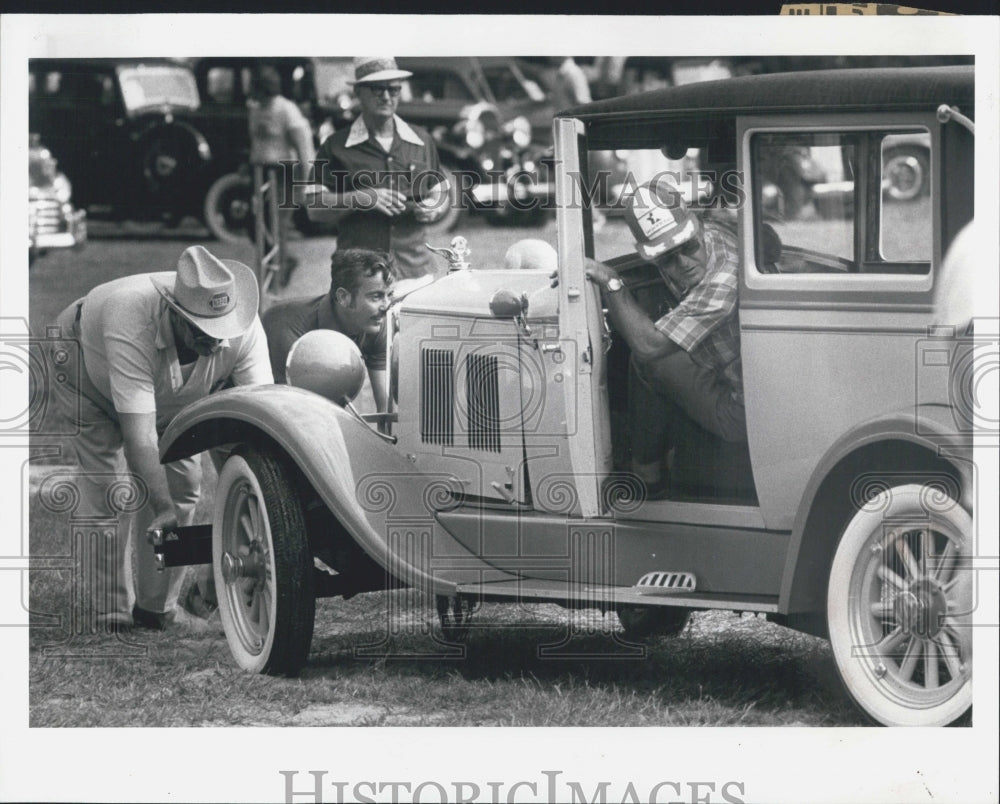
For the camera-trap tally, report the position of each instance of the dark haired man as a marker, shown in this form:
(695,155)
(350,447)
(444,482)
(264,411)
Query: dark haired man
(360,293)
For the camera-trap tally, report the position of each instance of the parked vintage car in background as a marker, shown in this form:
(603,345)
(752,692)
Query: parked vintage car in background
(122,132)
(53,221)
(501,470)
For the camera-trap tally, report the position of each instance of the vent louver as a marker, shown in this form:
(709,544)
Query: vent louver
(483,395)
(437,396)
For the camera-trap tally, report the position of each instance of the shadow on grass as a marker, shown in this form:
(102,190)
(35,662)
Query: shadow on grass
(723,670)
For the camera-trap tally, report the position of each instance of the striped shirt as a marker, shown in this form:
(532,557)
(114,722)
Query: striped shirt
(706,321)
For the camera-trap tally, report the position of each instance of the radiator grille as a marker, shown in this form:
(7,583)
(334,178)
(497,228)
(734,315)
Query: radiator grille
(437,396)
(483,395)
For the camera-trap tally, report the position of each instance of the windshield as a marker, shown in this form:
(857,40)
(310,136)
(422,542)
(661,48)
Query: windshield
(145,86)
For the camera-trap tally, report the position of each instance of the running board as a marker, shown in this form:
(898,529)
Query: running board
(605,597)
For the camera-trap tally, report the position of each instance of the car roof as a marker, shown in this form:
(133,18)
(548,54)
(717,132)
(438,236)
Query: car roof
(105,63)
(889,89)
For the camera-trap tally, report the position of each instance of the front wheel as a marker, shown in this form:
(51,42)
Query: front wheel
(899,608)
(263,564)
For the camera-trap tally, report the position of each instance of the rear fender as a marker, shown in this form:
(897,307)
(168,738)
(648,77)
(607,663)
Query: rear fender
(380,498)
(896,448)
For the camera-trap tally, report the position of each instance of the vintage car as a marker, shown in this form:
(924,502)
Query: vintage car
(501,471)
(53,221)
(122,132)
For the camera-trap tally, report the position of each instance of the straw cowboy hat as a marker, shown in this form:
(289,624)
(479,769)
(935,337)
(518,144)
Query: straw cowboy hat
(370,69)
(218,296)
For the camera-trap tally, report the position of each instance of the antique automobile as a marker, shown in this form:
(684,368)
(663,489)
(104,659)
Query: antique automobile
(501,472)
(53,222)
(492,125)
(122,132)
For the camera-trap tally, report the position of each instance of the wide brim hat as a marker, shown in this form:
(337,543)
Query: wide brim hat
(219,297)
(373,69)
(659,219)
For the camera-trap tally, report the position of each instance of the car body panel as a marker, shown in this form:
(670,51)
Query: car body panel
(373,490)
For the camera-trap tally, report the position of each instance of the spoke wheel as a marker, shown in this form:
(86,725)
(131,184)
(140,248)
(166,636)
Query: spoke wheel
(641,622)
(228,209)
(263,565)
(899,608)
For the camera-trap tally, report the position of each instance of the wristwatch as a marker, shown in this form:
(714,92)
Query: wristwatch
(614,285)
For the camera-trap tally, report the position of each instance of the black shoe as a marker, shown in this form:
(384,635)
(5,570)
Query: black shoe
(153,620)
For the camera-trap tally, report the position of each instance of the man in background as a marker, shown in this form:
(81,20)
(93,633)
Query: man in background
(380,180)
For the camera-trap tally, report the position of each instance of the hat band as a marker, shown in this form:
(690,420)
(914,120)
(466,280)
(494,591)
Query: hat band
(375,66)
(219,304)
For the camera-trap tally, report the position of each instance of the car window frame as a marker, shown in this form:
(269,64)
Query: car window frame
(824,284)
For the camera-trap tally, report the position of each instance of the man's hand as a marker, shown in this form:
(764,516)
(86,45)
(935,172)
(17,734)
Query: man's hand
(165,521)
(428,214)
(381,199)
(599,273)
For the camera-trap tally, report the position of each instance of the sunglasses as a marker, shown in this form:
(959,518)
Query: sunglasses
(378,89)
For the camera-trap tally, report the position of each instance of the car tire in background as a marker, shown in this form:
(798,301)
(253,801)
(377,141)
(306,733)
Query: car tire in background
(262,563)
(171,158)
(228,208)
(447,223)
(899,606)
(906,173)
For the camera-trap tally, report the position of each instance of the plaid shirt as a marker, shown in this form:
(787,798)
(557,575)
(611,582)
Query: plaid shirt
(706,323)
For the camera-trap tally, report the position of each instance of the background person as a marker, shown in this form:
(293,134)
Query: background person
(150,344)
(686,365)
(279,134)
(371,172)
(360,293)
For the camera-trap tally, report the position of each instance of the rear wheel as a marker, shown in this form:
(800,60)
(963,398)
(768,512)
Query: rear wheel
(899,608)
(906,173)
(228,208)
(263,564)
(449,220)
(642,622)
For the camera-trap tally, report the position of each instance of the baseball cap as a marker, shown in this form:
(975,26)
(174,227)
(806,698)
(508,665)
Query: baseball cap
(659,219)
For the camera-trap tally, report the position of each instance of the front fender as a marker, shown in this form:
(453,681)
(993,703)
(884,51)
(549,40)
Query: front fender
(385,503)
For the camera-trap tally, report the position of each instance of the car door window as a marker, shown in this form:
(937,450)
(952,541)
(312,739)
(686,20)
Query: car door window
(841,202)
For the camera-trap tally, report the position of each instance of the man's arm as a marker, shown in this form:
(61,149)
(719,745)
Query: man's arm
(644,339)
(377,377)
(143,458)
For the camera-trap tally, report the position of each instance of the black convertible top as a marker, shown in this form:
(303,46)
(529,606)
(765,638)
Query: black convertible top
(888,89)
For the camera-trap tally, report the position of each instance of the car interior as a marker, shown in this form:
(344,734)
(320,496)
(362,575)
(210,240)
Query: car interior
(808,189)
